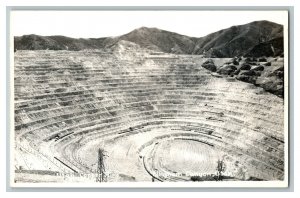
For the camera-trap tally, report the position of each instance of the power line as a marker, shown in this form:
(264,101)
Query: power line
(101,177)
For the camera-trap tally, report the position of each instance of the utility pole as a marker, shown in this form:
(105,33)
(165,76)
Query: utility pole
(101,177)
(220,168)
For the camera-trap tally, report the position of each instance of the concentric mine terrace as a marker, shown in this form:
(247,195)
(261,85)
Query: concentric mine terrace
(157,116)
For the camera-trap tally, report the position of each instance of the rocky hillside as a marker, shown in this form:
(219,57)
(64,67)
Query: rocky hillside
(272,48)
(36,42)
(267,73)
(255,38)
(161,40)
(238,40)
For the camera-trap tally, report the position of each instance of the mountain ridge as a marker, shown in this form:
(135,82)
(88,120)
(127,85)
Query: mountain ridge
(229,42)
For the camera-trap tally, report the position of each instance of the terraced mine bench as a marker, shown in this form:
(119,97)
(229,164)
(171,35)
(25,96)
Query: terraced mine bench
(102,100)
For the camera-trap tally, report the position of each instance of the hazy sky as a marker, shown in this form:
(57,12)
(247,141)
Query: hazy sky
(95,24)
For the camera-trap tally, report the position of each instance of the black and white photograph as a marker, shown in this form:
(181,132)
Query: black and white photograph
(149,98)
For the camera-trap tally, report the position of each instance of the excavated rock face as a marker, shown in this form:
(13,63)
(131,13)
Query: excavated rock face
(268,64)
(227,69)
(210,65)
(271,84)
(273,79)
(258,68)
(247,78)
(250,60)
(245,66)
(263,59)
(267,73)
(249,73)
(234,61)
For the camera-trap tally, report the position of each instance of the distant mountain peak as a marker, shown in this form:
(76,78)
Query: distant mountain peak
(144,28)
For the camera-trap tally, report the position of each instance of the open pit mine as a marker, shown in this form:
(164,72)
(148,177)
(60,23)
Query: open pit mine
(131,114)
